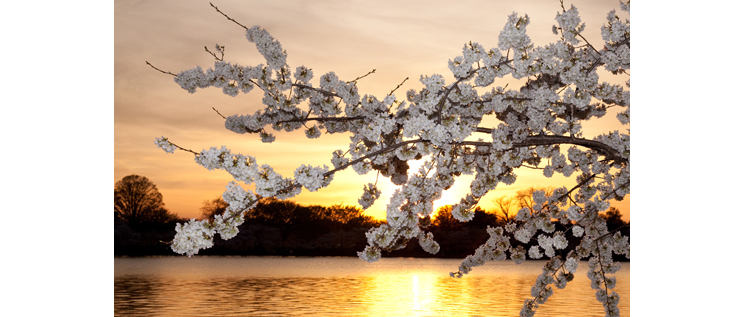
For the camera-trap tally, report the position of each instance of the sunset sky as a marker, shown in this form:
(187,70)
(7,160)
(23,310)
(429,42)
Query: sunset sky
(66,117)
(398,39)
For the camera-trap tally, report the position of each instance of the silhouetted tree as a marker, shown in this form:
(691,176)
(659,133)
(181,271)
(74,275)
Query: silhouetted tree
(210,208)
(282,214)
(613,217)
(350,215)
(137,201)
(525,197)
(505,204)
(445,220)
(459,239)
(483,219)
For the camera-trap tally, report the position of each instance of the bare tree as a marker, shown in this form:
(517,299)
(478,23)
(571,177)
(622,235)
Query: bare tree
(525,197)
(505,204)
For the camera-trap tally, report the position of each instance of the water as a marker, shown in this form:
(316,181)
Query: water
(340,286)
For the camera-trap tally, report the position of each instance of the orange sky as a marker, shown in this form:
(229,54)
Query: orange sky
(397,39)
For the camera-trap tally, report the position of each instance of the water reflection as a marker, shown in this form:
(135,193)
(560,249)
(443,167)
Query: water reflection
(394,287)
(433,294)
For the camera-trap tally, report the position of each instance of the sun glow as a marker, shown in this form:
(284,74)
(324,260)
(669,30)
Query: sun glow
(448,197)
(415,299)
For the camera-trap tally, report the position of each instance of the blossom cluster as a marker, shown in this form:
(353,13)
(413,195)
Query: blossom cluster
(312,178)
(562,90)
(165,145)
(195,235)
(268,46)
(570,24)
(370,194)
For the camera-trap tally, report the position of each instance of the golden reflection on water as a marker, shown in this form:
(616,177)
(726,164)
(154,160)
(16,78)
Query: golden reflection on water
(216,286)
(434,294)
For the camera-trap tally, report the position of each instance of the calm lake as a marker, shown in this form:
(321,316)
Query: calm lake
(342,286)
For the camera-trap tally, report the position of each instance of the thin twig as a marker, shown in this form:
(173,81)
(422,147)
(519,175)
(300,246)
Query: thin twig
(369,73)
(216,110)
(400,85)
(154,67)
(395,88)
(183,149)
(227,17)
(221,50)
(587,42)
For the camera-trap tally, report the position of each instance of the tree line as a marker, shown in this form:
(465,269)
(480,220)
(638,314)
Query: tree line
(143,226)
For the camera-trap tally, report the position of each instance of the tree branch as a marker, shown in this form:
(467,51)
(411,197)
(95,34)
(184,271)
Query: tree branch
(319,90)
(369,155)
(535,140)
(324,119)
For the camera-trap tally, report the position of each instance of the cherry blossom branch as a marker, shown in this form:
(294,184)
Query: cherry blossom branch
(534,140)
(361,159)
(319,90)
(446,93)
(324,119)
(604,278)
(441,102)
(369,155)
